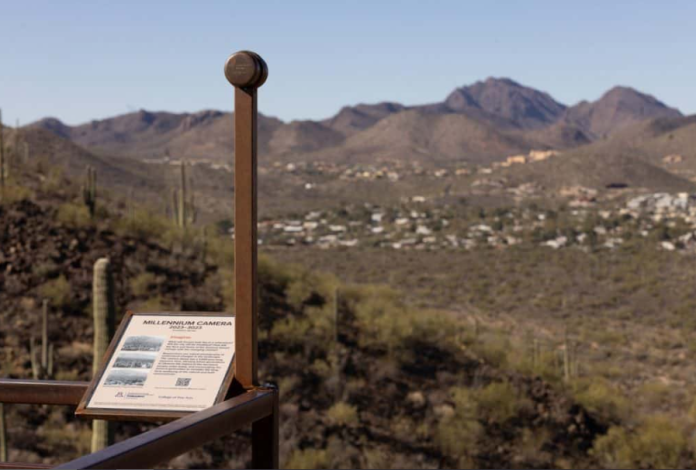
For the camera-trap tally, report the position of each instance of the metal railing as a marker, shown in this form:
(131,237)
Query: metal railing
(254,405)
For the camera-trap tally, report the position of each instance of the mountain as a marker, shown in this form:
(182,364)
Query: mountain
(302,137)
(73,159)
(501,97)
(479,123)
(617,109)
(417,135)
(145,134)
(634,156)
(353,119)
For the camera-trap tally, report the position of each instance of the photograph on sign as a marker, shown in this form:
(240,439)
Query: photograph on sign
(164,362)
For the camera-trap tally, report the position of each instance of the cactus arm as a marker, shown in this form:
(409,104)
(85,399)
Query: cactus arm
(2,154)
(49,363)
(33,353)
(44,334)
(3,434)
(182,197)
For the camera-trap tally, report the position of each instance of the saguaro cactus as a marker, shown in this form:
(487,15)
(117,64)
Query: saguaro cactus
(89,190)
(3,435)
(42,363)
(2,155)
(183,201)
(104,309)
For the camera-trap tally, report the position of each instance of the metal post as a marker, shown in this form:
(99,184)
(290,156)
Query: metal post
(265,439)
(246,71)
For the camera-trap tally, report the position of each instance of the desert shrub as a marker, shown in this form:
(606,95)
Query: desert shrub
(140,284)
(343,414)
(530,447)
(57,291)
(156,304)
(613,450)
(458,438)
(14,192)
(307,287)
(659,443)
(308,458)
(499,401)
(493,348)
(656,443)
(602,398)
(54,181)
(458,435)
(73,215)
(311,333)
(378,458)
(143,224)
(545,366)
(221,250)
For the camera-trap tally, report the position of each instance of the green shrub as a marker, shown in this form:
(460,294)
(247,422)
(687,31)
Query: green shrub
(221,250)
(493,348)
(308,458)
(343,414)
(143,224)
(140,284)
(613,450)
(657,443)
(73,215)
(499,401)
(57,291)
(15,192)
(458,435)
(602,398)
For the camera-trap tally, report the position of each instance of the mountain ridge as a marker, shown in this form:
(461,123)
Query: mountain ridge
(511,113)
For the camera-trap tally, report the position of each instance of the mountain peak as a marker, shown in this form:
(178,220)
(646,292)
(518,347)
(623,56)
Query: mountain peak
(504,98)
(501,81)
(618,108)
(53,125)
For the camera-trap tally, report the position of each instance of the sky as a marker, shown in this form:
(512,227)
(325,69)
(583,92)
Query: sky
(92,59)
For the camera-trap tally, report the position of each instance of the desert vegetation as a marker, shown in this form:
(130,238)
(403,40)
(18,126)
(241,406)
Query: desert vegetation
(370,376)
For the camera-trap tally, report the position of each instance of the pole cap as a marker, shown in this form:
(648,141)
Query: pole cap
(246,69)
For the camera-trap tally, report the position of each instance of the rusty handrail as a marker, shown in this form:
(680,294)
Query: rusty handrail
(41,392)
(175,438)
(19,465)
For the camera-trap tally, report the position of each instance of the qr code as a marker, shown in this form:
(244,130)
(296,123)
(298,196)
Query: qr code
(183,382)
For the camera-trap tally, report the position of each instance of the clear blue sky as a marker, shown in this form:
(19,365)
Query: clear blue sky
(92,59)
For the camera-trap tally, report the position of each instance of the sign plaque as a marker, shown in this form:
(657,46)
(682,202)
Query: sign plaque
(163,366)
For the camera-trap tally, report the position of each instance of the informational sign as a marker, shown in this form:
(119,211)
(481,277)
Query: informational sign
(163,365)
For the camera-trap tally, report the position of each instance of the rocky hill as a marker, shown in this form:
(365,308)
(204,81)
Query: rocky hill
(617,109)
(657,155)
(523,106)
(511,117)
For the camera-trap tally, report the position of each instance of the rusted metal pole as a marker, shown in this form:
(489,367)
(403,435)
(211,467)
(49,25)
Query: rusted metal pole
(265,439)
(245,255)
(246,71)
